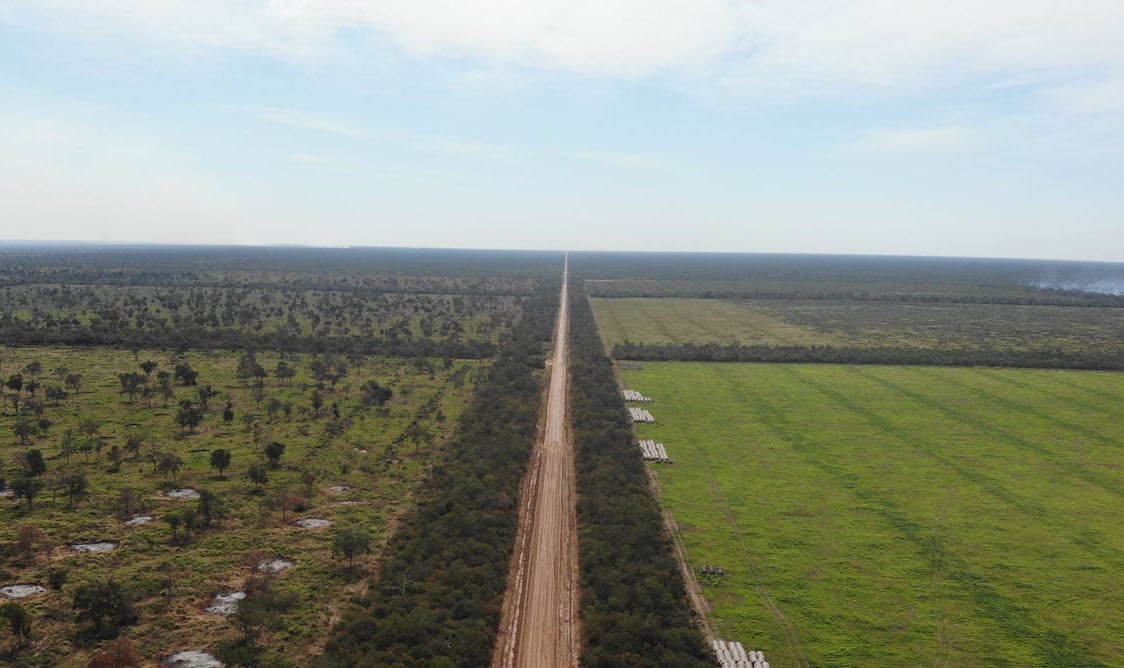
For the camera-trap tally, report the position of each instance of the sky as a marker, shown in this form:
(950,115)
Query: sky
(950,127)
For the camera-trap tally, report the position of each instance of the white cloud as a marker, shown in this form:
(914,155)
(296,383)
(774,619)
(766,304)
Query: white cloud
(1100,97)
(785,47)
(902,141)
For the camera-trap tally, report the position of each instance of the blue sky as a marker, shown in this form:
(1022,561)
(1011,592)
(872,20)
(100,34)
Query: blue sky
(870,126)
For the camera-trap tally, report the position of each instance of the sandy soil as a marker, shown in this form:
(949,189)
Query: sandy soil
(540,617)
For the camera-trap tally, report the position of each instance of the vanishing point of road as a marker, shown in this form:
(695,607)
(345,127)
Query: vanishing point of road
(540,614)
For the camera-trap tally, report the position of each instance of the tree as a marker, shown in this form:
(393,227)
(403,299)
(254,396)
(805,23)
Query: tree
(284,372)
(118,653)
(169,463)
(189,416)
(33,463)
(228,412)
(273,452)
(350,543)
(24,429)
(206,393)
(15,383)
(133,444)
(73,382)
(55,393)
(257,474)
(185,375)
(288,501)
(31,538)
(116,455)
(27,488)
(130,383)
(75,486)
(220,459)
(211,508)
(375,394)
(127,501)
(19,620)
(148,366)
(105,604)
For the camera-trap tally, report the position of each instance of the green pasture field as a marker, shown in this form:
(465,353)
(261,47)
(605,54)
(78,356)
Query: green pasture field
(679,320)
(899,516)
(857,324)
(369,449)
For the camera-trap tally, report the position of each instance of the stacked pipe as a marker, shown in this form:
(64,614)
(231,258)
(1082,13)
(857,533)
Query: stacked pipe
(655,452)
(633,395)
(640,415)
(731,654)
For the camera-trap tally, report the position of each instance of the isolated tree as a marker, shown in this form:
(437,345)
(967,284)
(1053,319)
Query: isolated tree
(15,383)
(288,501)
(55,394)
(75,486)
(228,412)
(210,509)
(127,501)
(189,416)
(34,368)
(317,402)
(130,384)
(148,366)
(284,372)
(273,452)
(185,375)
(19,620)
(418,434)
(169,463)
(73,382)
(133,444)
(205,394)
(375,394)
(24,429)
(220,459)
(30,539)
(33,463)
(116,455)
(257,474)
(105,604)
(56,578)
(350,543)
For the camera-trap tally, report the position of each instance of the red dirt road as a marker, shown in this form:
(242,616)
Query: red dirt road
(540,615)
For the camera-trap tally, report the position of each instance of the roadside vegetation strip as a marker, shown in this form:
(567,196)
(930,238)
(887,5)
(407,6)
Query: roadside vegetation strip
(877,552)
(634,605)
(437,599)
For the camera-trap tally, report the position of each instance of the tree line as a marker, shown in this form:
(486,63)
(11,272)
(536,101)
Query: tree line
(438,596)
(634,606)
(1047,358)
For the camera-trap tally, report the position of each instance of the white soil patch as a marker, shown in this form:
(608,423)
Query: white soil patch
(4,493)
(191,659)
(93,547)
(182,494)
(21,591)
(348,503)
(226,604)
(275,566)
(139,520)
(339,489)
(312,523)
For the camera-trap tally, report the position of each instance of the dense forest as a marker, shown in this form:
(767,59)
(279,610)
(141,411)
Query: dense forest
(437,598)
(634,606)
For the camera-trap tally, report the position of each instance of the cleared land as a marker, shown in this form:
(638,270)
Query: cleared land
(858,324)
(899,515)
(345,460)
(677,320)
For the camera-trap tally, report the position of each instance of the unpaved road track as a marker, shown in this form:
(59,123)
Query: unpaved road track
(540,627)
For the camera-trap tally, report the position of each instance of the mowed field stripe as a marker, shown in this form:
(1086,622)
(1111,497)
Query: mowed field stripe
(1049,646)
(1022,408)
(1006,378)
(1089,539)
(1066,467)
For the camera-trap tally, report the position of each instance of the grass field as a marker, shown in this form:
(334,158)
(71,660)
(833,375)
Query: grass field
(341,443)
(894,516)
(677,320)
(858,324)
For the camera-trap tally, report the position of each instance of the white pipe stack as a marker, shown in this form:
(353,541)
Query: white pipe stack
(732,654)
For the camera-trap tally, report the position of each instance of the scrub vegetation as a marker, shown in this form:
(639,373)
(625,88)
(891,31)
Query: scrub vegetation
(899,515)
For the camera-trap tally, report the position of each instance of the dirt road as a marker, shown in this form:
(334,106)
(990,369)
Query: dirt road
(540,615)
